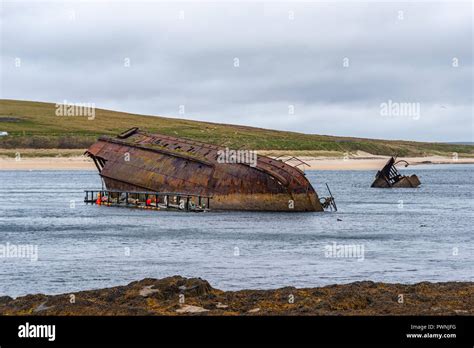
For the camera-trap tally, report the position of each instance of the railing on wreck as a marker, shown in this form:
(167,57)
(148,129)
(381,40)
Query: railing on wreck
(149,199)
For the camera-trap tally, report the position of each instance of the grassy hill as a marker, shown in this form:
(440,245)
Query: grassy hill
(34,125)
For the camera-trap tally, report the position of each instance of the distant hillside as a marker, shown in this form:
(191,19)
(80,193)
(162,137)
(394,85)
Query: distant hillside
(470,143)
(35,125)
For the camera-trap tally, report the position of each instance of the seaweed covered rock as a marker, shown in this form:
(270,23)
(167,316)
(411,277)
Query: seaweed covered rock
(194,296)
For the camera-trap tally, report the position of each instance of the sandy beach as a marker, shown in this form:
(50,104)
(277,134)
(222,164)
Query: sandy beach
(47,163)
(359,161)
(375,163)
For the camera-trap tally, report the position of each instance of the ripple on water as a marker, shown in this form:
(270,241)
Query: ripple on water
(427,237)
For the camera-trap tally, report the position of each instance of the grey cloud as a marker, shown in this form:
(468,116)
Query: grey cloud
(282,62)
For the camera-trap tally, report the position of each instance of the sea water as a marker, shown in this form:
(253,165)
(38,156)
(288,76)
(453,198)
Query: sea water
(389,235)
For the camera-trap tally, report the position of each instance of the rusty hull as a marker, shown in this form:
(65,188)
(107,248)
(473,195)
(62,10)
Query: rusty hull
(140,161)
(389,177)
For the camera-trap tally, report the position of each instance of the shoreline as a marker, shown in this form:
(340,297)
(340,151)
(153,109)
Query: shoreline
(376,163)
(194,296)
(360,161)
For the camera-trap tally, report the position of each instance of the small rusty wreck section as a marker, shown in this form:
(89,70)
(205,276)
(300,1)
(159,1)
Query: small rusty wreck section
(141,161)
(390,177)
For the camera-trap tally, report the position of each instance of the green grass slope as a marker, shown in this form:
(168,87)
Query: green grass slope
(35,125)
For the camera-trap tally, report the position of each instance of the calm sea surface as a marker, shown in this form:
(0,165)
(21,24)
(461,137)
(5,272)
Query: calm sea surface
(407,235)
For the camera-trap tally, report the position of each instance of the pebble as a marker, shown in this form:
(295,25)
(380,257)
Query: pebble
(191,309)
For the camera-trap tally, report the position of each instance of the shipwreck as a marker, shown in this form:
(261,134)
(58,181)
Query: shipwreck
(389,176)
(137,160)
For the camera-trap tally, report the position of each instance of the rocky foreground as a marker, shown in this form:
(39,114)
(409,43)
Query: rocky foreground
(183,296)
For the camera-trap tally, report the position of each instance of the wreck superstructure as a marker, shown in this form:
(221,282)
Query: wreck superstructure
(136,160)
(389,176)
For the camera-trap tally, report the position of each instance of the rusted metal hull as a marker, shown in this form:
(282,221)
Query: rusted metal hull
(405,182)
(389,177)
(137,160)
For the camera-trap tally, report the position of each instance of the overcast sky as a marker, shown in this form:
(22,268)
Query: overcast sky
(323,68)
